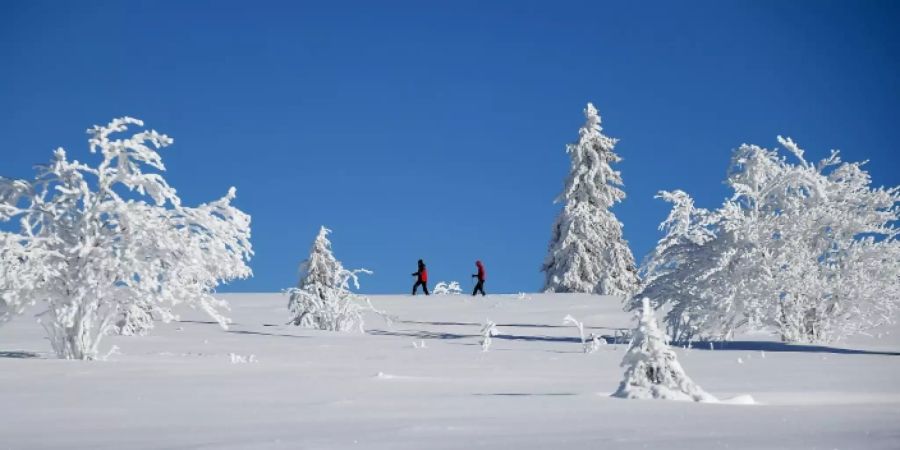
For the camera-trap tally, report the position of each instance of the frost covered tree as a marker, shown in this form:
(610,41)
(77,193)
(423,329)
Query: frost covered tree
(808,250)
(684,225)
(318,272)
(20,267)
(444,288)
(322,299)
(589,344)
(680,272)
(488,331)
(652,370)
(97,245)
(587,252)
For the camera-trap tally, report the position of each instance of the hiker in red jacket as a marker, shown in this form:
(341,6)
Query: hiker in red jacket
(421,278)
(480,285)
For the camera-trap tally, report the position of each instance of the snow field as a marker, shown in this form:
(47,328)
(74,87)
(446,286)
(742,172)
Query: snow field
(534,388)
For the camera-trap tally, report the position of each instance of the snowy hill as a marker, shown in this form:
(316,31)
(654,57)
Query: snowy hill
(425,383)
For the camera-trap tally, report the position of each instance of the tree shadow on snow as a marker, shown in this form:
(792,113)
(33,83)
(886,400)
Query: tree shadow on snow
(18,354)
(540,325)
(417,322)
(513,337)
(577,340)
(769,346)
(259,333)
(526,394)
(420,334)
(474,324)
(507,325)
(204,322)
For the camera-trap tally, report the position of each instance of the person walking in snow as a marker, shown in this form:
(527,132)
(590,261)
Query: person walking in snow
(421,278)
(480,275)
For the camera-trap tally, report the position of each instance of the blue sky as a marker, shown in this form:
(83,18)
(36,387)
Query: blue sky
(437,130)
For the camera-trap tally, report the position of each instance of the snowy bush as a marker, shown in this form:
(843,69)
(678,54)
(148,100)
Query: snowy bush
(241,359)
(99,244)
(488,330)
(594,343)
(652,370)
(589,344)
(808,250)
(443,288)
(136,320)
(587,252)
(20,267)
(322,299)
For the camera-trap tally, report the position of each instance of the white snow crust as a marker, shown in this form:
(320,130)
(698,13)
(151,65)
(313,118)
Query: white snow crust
(534,389)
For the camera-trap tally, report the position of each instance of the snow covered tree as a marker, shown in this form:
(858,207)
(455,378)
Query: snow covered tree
(587,252)
(808,250)
(685,225)
(20,270)
(652,370)
(488,331)
(318,272)
(322,299)
(113,242)
(590,343)
(444,288)
(680,272)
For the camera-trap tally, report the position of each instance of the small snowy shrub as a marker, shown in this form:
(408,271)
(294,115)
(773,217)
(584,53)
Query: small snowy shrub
(322,299)
(488,330)
(588,345)
(241,359)
(21,265)
(443,288)
(594,343)
(652,370)
(136,320)
(113,242)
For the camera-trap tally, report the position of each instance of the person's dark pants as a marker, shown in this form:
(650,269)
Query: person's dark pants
(424,285)
(479,287)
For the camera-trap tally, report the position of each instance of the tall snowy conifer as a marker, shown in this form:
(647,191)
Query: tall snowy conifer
(587,252)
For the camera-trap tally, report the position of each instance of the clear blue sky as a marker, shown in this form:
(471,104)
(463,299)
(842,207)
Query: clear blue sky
(437,130)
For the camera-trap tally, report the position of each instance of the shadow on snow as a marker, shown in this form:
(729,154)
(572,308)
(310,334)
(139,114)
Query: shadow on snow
(527,394)
(259,333)
(507,325)
(767,346)
(421,334)
(770,346)
(18,354)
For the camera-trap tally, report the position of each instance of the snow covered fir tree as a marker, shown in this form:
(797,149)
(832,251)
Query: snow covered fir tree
(317,274)
(112,245)
(322,299)
(587,252)
(652,370)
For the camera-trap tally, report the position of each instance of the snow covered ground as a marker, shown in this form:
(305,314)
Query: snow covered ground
(424,383)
